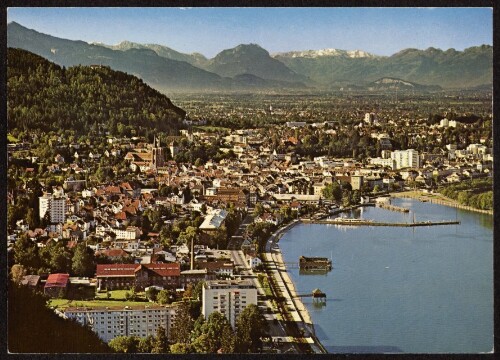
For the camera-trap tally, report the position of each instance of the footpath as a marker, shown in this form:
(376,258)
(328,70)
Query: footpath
(296,310)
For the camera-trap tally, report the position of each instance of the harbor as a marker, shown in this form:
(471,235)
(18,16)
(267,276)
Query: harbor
(373,267)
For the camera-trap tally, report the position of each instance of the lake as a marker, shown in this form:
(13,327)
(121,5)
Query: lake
(400,289)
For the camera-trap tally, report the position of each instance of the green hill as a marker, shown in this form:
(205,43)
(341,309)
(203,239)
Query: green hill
(160,72)
(34,328)
(46,96)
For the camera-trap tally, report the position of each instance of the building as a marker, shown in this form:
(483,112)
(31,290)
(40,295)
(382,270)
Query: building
(229,297)
(110,322)
(356,182)
(56,285)
(124,276)
(370,118)
(158,158)
(390,163)
(214,220)
(129,233)
(406,158)
(296,124)
(54,206)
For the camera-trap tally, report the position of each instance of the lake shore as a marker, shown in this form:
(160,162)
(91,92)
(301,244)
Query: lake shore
(300,314)
(437,198)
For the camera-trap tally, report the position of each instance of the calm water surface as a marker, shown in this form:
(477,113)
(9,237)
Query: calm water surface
(401,290)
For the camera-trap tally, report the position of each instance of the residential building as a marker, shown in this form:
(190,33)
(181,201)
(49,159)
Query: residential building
(111,322)
(56,285)
(214,220)
(124,276)
(229,297)
(390,163)
(55,206)
(406,158)
(356,182)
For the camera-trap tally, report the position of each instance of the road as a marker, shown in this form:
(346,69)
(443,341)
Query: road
(276,331)
(237,239)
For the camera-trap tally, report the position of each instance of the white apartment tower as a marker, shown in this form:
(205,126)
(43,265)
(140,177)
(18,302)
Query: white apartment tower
(228,297)
(55,206)
(109,323)
(406,158)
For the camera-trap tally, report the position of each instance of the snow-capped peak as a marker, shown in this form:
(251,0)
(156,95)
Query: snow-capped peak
(328,52)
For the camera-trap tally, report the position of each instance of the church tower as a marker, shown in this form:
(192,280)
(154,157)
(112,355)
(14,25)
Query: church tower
(158,155)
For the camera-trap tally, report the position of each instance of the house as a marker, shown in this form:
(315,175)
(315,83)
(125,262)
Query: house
(139,276)
(253,261)
(295,206)
(218,267)
(56,285)
(214,220)
(32,281)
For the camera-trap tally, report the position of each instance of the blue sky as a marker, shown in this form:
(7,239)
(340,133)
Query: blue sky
(382,31)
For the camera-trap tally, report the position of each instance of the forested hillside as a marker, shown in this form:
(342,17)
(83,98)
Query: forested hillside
(87,99)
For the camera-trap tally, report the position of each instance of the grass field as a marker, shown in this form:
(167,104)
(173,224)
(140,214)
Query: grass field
(117,298)
(64,303)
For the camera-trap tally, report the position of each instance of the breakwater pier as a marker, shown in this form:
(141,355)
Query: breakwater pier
(361,222)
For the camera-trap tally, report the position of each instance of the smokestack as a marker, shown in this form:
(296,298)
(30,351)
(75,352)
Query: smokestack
(192,254)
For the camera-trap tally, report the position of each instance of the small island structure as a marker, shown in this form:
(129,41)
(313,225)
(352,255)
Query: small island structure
(315,263)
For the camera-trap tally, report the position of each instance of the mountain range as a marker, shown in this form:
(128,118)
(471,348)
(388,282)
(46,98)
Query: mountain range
(250,67)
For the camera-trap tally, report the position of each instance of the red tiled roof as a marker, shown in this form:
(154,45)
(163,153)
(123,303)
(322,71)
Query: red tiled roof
(113,253)
(170,269)
(112,190)
(121,216)
(109,270)
(57,280)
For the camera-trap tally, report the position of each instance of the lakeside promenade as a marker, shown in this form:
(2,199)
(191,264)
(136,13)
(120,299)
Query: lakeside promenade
(286,287)
(437,198)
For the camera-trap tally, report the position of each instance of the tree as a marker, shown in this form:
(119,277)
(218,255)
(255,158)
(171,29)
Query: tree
(183,324)
(228,340)
(181,348)
(163,297)
(83,263)
(146,344)
(197,291)
(152,293)
(17,272)
(160,344)
(212,330)
(125,344)
(258,210)
(332,191)
(60,258)
(250,327)
(26,253)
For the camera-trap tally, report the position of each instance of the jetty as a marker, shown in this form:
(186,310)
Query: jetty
(316,294)
(361,222)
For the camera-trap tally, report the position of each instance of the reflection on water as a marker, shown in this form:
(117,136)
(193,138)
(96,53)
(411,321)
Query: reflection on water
(411,290)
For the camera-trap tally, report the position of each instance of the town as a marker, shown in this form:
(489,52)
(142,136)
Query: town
(134,234)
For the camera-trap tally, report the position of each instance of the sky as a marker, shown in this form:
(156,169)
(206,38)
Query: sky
(381,31)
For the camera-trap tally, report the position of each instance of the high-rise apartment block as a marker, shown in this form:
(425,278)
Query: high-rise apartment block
(229,297)
(406,158)
(55,206)
(110,322)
